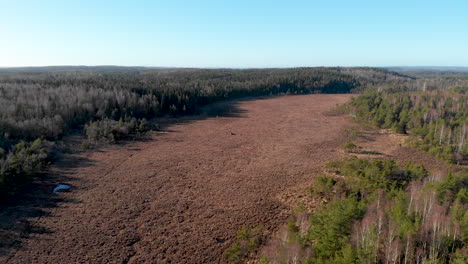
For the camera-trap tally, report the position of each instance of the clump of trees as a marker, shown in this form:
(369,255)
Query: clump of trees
(390,213)
(21,164)
(37,108)
(439,119)
(110,131)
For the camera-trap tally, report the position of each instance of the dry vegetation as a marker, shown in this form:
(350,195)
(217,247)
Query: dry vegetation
(109,104)
(183,196)
(214,187)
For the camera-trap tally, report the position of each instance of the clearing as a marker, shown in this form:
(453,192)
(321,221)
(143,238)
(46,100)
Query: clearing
(183,195)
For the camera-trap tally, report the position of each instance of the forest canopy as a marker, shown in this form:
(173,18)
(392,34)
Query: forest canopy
(48,104)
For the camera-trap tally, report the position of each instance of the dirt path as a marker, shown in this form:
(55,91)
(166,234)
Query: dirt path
(182,197)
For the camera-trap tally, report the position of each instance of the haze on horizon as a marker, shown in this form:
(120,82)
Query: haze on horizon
(238,34)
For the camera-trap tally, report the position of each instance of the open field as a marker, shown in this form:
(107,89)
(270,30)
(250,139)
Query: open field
(240,132)
(182,196)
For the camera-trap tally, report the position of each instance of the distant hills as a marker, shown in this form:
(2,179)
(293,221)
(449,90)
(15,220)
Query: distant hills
(425,71)
(433,68)
(411,70)
(79,68)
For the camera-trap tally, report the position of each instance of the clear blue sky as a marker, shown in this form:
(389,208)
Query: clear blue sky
(234,33)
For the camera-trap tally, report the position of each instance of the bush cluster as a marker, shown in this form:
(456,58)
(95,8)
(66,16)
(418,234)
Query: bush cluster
(21,164)
(349,147)
(110,131)
(366,176)
(247,241)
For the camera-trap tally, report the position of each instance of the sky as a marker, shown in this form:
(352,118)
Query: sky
(234,33)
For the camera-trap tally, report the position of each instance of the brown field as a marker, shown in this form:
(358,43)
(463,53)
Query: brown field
(181,196)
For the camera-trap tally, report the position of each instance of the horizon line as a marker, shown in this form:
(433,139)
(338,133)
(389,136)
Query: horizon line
(227,67)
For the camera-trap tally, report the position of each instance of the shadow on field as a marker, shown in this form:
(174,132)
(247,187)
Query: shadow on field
(20,214)
(228,108)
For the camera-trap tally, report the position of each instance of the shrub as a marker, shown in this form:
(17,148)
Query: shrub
(22,163)
(322,185)
(234,254)
(110,131)
(349,147)
(247,241)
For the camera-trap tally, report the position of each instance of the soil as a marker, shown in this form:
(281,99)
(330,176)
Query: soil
(181,196)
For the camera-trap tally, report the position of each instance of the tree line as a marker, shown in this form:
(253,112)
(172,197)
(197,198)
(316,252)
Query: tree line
(50,104)
(438,120)
(111,103)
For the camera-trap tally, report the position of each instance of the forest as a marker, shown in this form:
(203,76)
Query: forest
(376,211)
(380,211)
(437,120)
(50,104)
(112,103)
(107,104)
